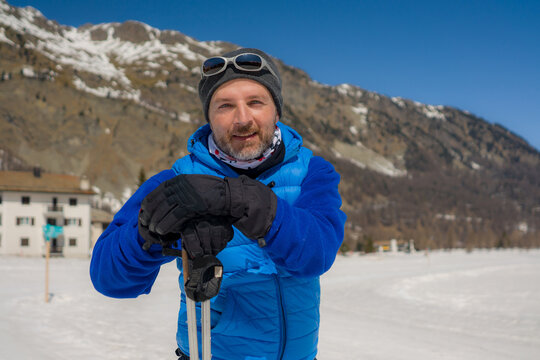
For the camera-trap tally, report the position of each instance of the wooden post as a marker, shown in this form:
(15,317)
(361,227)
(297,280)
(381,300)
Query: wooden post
(47,254)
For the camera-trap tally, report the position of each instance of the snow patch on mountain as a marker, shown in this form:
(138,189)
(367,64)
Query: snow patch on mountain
(160,84)
(28,72)
(317,84)
(185,117)
(447,217)
(4,5)
(360,109)
(350,90)
(363,157)
(210,46)
(180,65)
(107,92)
(189,88)
(4,38)
(431,111)
(523,227)
(344,89)
(30,13)
(398,101)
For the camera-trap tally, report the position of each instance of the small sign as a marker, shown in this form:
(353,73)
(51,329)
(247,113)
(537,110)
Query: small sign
(52,231)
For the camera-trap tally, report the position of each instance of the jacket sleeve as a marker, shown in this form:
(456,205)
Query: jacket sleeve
(119,267)
(305,237)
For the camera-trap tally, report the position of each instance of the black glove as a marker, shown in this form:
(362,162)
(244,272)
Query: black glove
(249,203)
(207,236)
(166,241)
(256,203)
(174,200)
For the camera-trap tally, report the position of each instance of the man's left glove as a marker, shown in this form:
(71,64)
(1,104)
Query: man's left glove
(249,203)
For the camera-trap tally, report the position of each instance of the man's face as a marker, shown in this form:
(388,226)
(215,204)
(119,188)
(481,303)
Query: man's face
(243,117)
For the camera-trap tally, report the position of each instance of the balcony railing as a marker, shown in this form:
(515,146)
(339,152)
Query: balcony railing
(54,208)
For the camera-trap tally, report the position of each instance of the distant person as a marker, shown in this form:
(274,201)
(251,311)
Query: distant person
(248,193)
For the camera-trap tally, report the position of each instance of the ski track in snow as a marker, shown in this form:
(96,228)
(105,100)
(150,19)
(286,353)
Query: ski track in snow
(448,305)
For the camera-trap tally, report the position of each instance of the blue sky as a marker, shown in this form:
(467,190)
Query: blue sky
(480,56)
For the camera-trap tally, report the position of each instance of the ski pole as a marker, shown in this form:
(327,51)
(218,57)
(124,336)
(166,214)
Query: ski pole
(205,331)
(202,280)
(191,314)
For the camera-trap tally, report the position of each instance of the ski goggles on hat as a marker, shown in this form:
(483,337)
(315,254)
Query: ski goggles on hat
(245,62)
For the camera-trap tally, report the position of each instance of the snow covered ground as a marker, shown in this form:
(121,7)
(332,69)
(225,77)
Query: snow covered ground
(448,305)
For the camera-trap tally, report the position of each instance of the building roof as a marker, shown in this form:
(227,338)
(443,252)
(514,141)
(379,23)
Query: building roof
(101,216)
(39,181)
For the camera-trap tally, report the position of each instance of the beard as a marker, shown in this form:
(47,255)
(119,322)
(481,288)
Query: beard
(253,149)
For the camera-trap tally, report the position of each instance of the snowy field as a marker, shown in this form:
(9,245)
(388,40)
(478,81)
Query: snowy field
(448,305)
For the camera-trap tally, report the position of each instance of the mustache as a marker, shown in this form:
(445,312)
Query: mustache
(244,130)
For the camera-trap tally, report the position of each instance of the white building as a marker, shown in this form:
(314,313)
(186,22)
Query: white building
(30,200)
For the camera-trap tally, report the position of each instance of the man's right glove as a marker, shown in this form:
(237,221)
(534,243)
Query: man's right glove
(199,237)
(249,203)
(206,237)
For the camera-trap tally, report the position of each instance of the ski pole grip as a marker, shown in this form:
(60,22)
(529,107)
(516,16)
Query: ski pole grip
(204,278)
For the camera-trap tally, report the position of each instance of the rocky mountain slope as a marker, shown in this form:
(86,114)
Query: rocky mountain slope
(107,100)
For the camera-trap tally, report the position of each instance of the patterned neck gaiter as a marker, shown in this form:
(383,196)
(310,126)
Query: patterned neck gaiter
(244,164)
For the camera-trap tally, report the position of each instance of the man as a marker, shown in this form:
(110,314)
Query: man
(248,193)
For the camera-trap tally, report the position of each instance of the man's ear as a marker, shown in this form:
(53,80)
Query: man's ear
(277,118)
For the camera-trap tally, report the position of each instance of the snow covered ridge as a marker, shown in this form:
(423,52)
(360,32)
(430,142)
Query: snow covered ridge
(105,49)
(431,111)
(398,101)
(350,90)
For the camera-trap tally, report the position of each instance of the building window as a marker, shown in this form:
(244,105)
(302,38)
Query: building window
(25,242)
(0,219)
(72,242)
(72,201)
(25,220)
(0,198)
(72,222)
(25,200)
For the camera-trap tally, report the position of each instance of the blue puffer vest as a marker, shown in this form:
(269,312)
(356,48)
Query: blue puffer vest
(261,311)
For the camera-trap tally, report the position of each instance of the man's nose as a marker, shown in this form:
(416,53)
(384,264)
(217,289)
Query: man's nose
(243,115)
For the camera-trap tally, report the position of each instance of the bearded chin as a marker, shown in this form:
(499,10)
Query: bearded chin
(244,154)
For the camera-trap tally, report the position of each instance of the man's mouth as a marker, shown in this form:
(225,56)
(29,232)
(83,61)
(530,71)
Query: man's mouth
(243,137)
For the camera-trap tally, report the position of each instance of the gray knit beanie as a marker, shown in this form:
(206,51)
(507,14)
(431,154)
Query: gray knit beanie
(209,84)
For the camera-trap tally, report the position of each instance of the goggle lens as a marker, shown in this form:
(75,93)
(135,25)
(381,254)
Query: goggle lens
(213,65)
(249,62)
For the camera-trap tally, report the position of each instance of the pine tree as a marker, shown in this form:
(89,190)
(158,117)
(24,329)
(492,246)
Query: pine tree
(369,247)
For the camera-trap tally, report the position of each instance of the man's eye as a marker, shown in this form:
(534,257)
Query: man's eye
(224,106)
(255,102)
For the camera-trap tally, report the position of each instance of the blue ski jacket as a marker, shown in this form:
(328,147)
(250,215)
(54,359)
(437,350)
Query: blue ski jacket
(268,305)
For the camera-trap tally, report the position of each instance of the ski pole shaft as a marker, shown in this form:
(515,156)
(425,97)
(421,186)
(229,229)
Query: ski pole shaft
(191,314)
(205,323)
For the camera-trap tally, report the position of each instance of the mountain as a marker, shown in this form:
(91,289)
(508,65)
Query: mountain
(108,100)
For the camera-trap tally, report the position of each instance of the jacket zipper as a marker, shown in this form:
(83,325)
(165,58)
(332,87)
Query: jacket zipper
(283,330)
